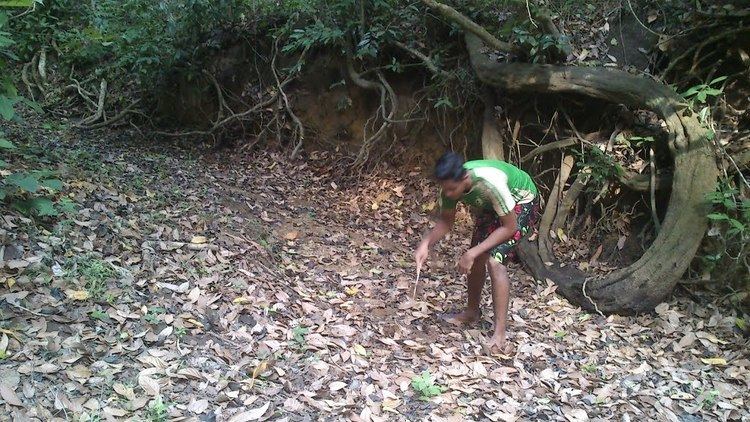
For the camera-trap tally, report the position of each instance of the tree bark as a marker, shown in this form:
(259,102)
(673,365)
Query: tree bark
(644,284)
(492,139)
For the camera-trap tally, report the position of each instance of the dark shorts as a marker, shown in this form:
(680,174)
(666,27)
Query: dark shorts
(527,217)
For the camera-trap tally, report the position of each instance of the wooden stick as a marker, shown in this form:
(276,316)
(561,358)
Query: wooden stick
(416,284)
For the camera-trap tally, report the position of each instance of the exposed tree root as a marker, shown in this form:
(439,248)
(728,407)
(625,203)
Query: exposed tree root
(386,93)
(121,115)
(99,107)
(300,127)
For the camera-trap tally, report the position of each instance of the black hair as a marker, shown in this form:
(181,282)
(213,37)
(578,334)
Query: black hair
(450,167)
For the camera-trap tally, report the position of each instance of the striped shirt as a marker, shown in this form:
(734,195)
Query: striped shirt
(495,186)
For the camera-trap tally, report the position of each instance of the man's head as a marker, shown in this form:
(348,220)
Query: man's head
(452,176)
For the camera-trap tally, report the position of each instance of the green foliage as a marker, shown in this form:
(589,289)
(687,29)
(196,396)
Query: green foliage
(8,94)
(541,47)
(157,411)
(425,386)
(18,3)
(93,271)
(603,167)
(727,255)
(639,141)
(298,336)
(30,192)
(33,193)
(119,38)
(701,92)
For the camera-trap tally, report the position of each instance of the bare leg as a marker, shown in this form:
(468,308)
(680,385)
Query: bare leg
(500,298)
(474,285)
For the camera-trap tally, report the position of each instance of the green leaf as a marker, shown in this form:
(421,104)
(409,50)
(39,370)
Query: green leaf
(6,144)
(6,107)
(16,3)
(52,184)
(3,164)
(736,224)
(693,90)
(2,194)
(717,217)
(717,80)
(43,207)
(66,206)
(24,181)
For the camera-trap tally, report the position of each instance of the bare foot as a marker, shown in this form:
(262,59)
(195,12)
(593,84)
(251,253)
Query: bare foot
(462,318)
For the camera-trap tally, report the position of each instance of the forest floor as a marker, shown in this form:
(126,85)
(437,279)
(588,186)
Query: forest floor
(235,286)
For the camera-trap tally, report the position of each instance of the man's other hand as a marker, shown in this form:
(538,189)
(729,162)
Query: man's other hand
(466,262)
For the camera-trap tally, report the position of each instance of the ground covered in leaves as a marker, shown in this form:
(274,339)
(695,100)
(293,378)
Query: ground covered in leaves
(238,287)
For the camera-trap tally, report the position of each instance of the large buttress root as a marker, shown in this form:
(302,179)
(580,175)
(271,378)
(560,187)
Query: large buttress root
(642,285)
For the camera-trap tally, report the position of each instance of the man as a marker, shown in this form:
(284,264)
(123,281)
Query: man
(505,207)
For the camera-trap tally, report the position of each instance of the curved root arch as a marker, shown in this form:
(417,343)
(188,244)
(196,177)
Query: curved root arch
(642,285)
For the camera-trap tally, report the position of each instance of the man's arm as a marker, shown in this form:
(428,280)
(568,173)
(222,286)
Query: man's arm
(503,234)
(442,227)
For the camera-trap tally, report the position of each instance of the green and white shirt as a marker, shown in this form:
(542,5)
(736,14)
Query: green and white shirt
(495,186)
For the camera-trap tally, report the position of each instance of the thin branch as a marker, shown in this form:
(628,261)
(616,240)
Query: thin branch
(469,26)
(425,59)
(563,143)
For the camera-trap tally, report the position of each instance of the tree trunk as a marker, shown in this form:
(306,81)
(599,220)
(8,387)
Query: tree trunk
(492,140)
(644,284)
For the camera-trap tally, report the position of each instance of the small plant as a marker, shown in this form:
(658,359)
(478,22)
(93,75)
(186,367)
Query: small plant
(541,47)
(603,167)
(700,93)
(99,314)
(709,398)
(152,316)
(93,271)
(180,332)
(157,411)
(298,336)
(425,386)
(589,368)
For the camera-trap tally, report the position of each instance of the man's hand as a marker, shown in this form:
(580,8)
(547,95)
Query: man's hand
(466,261)
(420,255)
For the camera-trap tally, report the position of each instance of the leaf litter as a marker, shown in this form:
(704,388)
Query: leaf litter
(248,287)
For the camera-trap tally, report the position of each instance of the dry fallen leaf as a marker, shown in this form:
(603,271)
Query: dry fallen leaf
(714,361)
(10,396)
(47,368)
(78,294)
(198,406)
(250,415)
(194,295)
(150,386)
(126,392)
(336,385)
(198,240)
